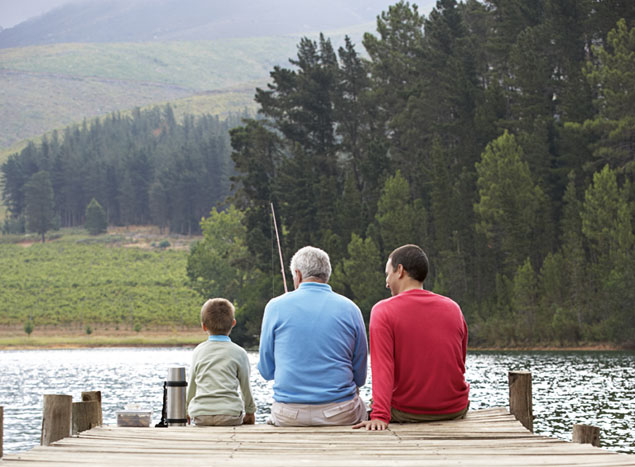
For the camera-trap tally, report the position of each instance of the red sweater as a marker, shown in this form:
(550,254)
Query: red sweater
(418,344)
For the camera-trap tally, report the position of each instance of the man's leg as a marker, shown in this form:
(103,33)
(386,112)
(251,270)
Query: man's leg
(342,413)
(397,416)
(334,413)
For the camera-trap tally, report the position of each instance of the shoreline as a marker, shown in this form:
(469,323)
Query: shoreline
(192,337)
(51,338)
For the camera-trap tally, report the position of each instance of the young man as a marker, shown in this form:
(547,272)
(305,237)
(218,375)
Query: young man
(313,345)
(418,345)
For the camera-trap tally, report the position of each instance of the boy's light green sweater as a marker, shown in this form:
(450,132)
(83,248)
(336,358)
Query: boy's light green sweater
(218,370)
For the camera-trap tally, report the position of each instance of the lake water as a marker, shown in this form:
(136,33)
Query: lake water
(595,388)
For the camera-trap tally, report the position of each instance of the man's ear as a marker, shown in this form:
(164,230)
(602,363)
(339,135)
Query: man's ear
(401,272)
(233,323)
(297,278)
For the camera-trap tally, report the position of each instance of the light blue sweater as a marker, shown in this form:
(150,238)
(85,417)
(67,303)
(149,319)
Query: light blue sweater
(313,345)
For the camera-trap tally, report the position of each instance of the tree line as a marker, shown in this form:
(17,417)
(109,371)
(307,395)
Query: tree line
(497,135)
(143,168)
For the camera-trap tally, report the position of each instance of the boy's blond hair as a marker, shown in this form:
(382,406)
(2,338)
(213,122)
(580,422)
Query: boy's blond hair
(217,314)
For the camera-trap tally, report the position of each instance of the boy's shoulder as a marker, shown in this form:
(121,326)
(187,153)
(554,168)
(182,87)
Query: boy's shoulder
(238,349)
(235,346)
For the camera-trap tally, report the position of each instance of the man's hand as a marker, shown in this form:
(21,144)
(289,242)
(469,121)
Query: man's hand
(374,425)
(249,419)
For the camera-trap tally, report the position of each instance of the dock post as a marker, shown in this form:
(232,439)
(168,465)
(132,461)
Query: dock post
(1,428)
(85,416)
(520,398)
(56,418)
(94,396)
(586,434)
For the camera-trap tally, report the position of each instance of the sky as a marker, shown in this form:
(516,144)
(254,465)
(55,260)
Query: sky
(13,12)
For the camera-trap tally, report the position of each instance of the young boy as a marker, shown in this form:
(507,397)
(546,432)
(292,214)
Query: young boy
(218,367)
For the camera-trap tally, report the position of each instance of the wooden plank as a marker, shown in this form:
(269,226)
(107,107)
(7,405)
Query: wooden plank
(484,438)
(322,460)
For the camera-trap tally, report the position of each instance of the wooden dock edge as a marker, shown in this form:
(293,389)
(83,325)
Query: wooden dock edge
(489,437)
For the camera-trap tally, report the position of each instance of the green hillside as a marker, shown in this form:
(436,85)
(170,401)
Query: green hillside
(101,282)
(47,87)
(197,66)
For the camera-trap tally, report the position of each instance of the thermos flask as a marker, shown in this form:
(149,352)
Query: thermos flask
(176,387)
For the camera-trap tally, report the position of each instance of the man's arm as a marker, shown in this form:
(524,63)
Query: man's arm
(266,362)
(360,353)
(382,364)
(465,337)
(372,425)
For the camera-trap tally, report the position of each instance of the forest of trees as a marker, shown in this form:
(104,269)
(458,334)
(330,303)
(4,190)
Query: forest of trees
(498,135)
(142,169)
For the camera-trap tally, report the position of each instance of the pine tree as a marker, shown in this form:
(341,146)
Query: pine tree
(607,224)
(400,220)
(510,203)
(613,76)
(361,273)
(38,197)
(96,221)
(525,301)
(575,278)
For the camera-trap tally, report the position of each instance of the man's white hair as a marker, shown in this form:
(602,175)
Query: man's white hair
(311,262)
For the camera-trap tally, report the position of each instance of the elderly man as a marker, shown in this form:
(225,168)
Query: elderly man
(313,345)
(418,345)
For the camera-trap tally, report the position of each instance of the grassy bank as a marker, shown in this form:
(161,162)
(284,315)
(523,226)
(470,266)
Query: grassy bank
(51,337)
(125,281)
(69,342)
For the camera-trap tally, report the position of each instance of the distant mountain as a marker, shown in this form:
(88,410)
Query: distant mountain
(93,57)
(51,86)
(170,20)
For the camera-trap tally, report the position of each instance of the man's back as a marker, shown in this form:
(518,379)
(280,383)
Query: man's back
(313,343)
(425,337)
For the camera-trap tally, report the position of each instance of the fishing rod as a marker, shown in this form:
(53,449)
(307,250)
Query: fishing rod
(275,225)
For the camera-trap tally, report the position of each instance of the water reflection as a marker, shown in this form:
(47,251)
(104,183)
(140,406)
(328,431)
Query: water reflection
(594,388)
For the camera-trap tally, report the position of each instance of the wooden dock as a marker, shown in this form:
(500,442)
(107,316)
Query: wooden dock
(490,437)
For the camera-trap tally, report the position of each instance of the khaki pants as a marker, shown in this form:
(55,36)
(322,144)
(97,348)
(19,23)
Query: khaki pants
(397,416)
(218,420)
(333,413)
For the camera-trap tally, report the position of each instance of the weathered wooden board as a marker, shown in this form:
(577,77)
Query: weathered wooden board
(484,438)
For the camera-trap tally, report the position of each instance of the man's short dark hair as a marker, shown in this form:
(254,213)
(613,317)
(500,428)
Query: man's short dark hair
(217,314)
(413,259)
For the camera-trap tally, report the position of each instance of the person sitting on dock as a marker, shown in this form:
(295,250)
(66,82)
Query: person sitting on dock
(313,345)
(418,345)
(219,367)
